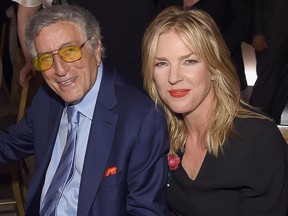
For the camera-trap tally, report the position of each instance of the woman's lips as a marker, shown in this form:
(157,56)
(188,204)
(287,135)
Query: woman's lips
(178,93)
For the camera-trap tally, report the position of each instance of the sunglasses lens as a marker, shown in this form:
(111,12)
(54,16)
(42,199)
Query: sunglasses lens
(70,53)
(43,62)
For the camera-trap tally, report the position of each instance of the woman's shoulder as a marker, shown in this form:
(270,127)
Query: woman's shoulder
(259,135)
(256,123)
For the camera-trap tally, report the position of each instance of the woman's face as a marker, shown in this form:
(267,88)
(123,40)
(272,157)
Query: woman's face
(182,80)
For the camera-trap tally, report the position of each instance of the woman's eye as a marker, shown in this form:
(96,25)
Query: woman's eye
(159,64)
(191,61)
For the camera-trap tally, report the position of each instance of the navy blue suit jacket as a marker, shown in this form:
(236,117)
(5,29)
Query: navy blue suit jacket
(127,132)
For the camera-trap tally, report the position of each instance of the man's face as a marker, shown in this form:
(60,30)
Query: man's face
(71,81)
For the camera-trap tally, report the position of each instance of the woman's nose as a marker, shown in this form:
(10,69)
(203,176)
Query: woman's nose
(174,76)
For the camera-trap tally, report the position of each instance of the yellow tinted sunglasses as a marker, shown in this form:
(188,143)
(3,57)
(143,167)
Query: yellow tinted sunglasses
(70,53)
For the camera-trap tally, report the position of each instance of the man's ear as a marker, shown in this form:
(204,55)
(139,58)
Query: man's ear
(98,53)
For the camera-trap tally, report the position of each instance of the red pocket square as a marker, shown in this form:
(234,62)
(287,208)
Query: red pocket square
(112,170)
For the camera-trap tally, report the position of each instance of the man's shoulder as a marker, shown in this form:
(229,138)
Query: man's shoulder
(126,89)
(132,95)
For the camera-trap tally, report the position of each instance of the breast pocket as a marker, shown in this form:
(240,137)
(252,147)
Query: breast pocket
(112,195)
(112,179)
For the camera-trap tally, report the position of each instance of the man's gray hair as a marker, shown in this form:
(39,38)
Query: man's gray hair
(70,13)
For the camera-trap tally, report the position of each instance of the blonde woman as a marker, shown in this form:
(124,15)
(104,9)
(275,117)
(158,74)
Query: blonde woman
(225,158)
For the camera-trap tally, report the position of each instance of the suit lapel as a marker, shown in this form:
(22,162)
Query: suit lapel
(49,136)
(53,127)
(99,143)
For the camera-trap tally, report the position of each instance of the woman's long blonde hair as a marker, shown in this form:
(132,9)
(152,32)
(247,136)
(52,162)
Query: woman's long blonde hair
(200,33)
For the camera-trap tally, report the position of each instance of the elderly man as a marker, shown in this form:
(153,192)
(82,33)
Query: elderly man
(100,145)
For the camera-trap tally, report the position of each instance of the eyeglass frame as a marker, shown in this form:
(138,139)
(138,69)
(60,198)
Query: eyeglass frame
(52,54)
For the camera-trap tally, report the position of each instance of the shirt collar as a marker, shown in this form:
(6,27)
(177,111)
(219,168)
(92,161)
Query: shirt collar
(87,104)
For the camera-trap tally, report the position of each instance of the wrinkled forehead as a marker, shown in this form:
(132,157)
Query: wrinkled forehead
(57,35)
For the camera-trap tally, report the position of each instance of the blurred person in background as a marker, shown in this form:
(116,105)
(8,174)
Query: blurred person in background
(270,41)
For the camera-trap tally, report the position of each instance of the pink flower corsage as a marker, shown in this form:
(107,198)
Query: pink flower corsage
(173,162)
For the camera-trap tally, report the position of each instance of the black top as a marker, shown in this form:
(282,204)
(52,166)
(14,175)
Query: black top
(250,179)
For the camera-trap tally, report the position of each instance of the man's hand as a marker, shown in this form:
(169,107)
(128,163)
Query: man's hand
(259,42)
(189,3)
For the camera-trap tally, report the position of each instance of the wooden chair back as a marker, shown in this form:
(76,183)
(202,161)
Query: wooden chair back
(284,131)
